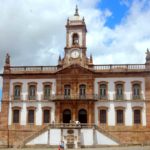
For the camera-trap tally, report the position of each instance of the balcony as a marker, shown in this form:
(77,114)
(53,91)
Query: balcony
(137,97)
(101,97)
(32,97)
(73,97)
(46,97)
(17,97)
(119,97)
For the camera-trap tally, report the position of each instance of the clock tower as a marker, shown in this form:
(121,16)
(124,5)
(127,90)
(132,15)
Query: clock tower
(75,49)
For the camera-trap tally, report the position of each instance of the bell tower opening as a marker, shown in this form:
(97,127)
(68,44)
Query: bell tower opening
(75,39)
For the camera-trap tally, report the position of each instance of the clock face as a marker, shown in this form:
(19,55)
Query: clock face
(75,54)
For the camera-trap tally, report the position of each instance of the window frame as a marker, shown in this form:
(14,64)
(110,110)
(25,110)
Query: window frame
(141,119)
(34,109)
(50,85)
(43,109)
(140,90)
(32,84)
(99,109)
(17,84)
(123,110)
(19,109)
(82,89)
(118,97)
(66,96)
(99,94)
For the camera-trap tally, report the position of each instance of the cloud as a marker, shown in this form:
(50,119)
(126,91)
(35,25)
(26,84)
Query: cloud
(33,31)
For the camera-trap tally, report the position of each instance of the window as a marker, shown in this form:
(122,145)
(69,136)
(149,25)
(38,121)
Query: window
(17,92)
(75,39)
(119,91)
(82,91)
(16,115)
(103,89)
(46,116)
(47,91)
(32,92)
(136,91)
(103,116)
(31,116)
(137,116)
(67,90)
(119,116)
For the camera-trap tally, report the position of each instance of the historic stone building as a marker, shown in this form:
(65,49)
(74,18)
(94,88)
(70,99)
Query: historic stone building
(42,104)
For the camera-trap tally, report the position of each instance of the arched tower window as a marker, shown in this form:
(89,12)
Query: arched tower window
(75,39)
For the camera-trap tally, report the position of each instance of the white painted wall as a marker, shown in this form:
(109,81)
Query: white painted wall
(39,86)
(55,136)
(25,104)
(128,105)
(128,86)
(86,137)
(38,111)
(101,139)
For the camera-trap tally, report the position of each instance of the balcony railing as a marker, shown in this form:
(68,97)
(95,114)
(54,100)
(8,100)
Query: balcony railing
(46,97)
(17,97)
(79,97)
(137,97)
(27,69)
(32,97)
(119,97)
(120,67)
(73,97)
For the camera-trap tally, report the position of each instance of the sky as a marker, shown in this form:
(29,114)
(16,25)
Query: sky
(33,31)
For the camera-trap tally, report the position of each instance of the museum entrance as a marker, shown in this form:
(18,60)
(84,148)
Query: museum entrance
(66,116)
(82,116)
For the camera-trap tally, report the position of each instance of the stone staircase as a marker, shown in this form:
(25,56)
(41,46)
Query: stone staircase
(106,133)
(64,126)
(34,135)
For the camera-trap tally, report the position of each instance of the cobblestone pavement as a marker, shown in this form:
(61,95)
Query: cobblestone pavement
(103,148)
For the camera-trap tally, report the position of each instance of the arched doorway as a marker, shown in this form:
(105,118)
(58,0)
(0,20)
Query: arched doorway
(82,116)
(66,116)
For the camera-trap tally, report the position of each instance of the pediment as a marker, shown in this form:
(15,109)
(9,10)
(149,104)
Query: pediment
(75,69)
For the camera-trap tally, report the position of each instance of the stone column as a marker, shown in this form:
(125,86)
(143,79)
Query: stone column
(57,112)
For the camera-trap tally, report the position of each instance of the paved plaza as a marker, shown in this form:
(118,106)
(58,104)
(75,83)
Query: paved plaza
(103,148)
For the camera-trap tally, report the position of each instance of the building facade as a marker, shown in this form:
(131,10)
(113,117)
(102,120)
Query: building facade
(77,102)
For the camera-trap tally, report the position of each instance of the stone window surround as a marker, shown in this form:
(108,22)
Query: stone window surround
(46,108)
(16,108)
(141,119)
(68,88)
(103,82)
(44,84)
(31,108)
(136,82)
(85,87)
(29,84)
(103,108)
(120,82)
(15,84)
(120,108)
(72,37)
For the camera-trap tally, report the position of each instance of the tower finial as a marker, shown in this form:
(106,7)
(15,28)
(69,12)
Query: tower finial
(7,60)
(76,11)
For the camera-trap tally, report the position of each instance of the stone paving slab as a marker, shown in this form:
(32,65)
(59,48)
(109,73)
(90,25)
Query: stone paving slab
(103,148)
